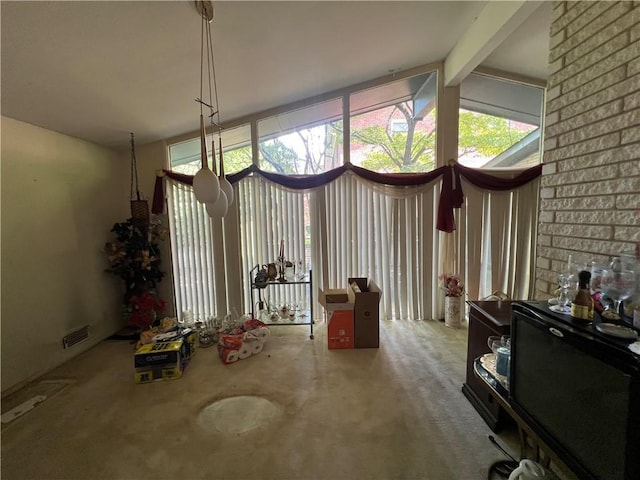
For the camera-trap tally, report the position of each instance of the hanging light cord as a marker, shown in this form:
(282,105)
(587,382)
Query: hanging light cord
(205,28)
(218,124)
(134,169)
(199,100)
(205,35)
(215,83)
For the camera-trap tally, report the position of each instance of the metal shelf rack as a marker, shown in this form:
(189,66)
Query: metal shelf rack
(304,317)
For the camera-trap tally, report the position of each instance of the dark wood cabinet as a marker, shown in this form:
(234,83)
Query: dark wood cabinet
(486,318)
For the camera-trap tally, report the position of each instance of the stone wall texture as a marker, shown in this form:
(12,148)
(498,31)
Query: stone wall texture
(590,195)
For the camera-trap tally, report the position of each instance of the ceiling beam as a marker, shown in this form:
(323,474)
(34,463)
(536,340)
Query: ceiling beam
(496,22)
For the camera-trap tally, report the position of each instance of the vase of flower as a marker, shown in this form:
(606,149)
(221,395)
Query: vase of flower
(453,300)
(453,311)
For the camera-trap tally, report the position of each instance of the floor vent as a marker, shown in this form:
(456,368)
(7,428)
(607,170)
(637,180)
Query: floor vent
(22,401)
(75,337)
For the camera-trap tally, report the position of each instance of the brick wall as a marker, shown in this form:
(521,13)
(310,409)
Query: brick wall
(590,196)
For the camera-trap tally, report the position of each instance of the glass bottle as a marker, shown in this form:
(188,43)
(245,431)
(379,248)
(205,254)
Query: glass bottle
(582,304)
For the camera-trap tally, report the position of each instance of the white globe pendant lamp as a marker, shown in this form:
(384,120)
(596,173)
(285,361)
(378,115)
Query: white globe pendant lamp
(206,186)
(219,208)
(218,204)
(225,185)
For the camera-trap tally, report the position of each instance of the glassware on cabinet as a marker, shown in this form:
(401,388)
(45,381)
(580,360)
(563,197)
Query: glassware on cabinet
(564,300)
(618,285)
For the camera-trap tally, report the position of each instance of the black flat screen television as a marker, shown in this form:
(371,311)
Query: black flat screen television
(578,390)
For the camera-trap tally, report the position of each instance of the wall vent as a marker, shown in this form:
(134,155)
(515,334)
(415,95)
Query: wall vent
(76,336)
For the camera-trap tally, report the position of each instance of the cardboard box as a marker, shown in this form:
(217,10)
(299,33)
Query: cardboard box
(340,331)
(332,296)
(189,337)
(160,361)
(365,296)
(339,311)
(158,373)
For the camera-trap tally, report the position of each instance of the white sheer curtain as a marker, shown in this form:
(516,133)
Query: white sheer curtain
(191,251)
(355,229)
(349,228)
(270,214)
(497,234)
(205,255)
(386,234)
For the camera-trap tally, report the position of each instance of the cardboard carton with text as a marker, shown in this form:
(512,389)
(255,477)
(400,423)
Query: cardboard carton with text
(339,312)
(365,295)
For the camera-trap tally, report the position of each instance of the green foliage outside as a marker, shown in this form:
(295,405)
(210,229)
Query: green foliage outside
(486,135)
(236,160)
(410,151)
(278,157)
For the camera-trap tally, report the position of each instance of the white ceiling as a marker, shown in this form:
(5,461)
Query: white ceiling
(99,70)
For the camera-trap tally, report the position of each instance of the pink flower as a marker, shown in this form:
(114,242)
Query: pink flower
(452,285)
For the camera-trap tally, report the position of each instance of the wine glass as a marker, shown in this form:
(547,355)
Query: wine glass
(575,264)
(562,305)
(618,285)
(299,268)
(596,277)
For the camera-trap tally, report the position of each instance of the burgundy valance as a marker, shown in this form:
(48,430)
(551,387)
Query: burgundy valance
(451,194)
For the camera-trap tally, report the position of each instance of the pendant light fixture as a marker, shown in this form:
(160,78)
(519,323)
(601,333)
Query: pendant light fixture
(217,208)
(206,185)
(225,185)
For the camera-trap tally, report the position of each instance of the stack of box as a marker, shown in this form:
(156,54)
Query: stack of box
(166,357)
(352,314)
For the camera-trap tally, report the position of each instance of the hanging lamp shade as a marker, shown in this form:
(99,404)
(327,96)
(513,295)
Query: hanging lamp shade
(219,208)
(206,186)
(216,205)
(225,185)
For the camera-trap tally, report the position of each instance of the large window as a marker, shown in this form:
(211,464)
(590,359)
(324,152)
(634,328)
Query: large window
(237,148)
(185,156)
(352,227)
(499,124)
(393,126)
(302,142)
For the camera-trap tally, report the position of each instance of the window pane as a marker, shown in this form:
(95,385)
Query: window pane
(304,141)
(185,156)
(237,148)
(393,127)
(500,123)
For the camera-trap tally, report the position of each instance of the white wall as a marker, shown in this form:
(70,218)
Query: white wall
(60,198)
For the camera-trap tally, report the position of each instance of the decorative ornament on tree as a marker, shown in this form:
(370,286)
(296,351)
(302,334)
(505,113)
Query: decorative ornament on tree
(134,256)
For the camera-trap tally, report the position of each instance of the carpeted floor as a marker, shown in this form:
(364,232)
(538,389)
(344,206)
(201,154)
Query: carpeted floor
(390,413)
